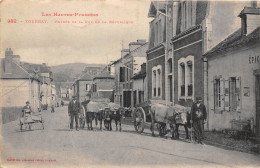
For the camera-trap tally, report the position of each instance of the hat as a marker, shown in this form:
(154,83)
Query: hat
(198,98)
(74,96)
(27,102)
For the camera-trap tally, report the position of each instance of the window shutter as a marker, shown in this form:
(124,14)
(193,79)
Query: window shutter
(226,95)
(222,93)
(238,92)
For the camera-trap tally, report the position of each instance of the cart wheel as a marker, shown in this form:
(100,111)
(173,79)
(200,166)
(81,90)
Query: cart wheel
(139,119)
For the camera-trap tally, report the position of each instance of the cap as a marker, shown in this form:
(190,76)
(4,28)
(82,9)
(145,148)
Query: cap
(27,102)
(198,98)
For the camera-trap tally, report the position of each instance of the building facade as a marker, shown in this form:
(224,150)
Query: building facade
(233,75)
(18,86)
(103,86)
(125,67)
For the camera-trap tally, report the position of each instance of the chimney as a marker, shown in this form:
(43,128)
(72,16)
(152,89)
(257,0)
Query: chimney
(16,58)
(124,52)
(8,61)
(250,18)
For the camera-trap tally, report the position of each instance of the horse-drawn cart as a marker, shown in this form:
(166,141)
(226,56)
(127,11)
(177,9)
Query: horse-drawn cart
(161,115)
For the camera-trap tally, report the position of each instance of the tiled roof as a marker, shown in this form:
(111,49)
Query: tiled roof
(17,72)
(35,67)
(235,40)
(104,75)
(86,77)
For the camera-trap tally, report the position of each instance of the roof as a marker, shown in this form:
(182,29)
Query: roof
(235,40)
(104,75)
(17,72)
(36,67)
(197,27)
(250,10)
(85,77)
(139,75)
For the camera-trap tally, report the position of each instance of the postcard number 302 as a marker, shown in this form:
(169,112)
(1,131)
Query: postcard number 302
(11,21)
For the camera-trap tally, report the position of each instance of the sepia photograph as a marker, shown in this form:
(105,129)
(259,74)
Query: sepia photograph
(130,83)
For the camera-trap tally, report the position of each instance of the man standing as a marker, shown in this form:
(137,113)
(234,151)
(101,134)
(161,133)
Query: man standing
(198,115)
(73,110)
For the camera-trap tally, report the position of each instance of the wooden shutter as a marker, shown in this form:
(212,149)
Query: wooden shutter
(226,94)
(238,92)
(222,93)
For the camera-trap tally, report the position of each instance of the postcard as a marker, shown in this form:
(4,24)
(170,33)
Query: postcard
(130,83)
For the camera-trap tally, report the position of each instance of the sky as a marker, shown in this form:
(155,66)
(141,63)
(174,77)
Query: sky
(61,43)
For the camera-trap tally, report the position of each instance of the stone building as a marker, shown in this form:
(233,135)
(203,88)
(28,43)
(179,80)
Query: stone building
(103,86)
(18,86)
(234,75)
(197,27)
(139,86)
(81,88)
(125,67)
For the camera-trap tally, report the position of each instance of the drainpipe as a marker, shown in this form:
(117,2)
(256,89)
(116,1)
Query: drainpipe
(206,98)
(166,84)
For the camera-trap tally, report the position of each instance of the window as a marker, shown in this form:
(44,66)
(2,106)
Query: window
(217,96)
(227,93)
(157,81)
(182,79)
(186,15)
(190,78)
(186,78)
(234,93)
(154,83)
(156,33)
(159,32)
(122,74)
(87,87)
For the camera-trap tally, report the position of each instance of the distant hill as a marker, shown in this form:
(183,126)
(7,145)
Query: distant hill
(67,72)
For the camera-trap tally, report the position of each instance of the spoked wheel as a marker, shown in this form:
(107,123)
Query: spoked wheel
(139,120)
(162,129)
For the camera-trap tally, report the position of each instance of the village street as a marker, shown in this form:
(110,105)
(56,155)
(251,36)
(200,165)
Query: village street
(57,146)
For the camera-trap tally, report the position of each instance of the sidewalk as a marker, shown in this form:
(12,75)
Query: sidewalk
(216,139)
